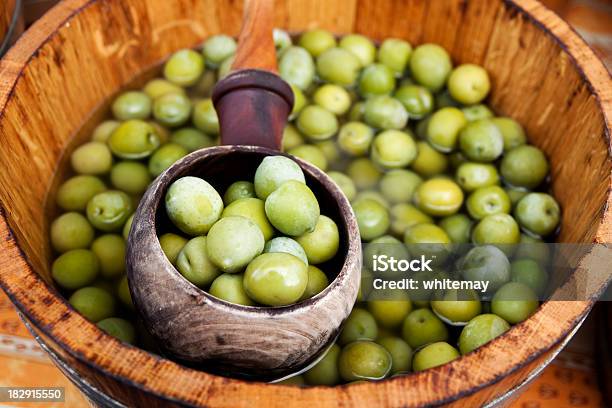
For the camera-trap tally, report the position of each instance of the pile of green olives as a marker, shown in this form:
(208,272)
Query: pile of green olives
(405,134)
(259,244)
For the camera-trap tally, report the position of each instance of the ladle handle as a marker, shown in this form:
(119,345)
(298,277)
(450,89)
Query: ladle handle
(256,43)
(253,103)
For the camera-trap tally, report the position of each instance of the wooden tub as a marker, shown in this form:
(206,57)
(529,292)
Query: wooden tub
(82,52)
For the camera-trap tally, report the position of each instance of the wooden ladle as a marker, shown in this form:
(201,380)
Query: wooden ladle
(196,328)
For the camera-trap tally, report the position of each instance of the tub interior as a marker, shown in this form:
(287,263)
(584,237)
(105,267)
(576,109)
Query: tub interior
(66,88)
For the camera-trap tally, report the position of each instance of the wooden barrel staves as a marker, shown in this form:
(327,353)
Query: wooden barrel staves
(84,51)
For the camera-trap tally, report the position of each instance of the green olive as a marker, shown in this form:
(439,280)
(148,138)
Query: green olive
(110,251)
(94,303)
(524,166)
(71,231)
(317,282)
(131,177)
(317,123)
(390,311)
(480,330)
(376,79)
(217,48)
(472,176)
(123,293)
(92,158)
(134,139)
(332,97)
(374,195)
(205,117)
(273,171)
(395,54)
(434,355)
(393,149)
(164,157)
(430,66)
(496,229)
(109,210)
(360,46)
(103,131)
(75,269)
(288,246)
(311,154)
(184,67)
(282,40)
(127,226)
(191,139)
(193,205)
(325,372)
(345,184)
(429,162)
(398,186)
(439,197)
(172,109)
(194,263)
(158,87)
(360,325)
(514,302)
(469,84)
(322,243)
(338,66)
(238,190)
(172,244)
(444,127)
(297,67)
(132,105)
(512,132)
(119,328)
(404,216)
(292,138)
(364,173)
(355,138)
(400,351)
(481,141)
(372,218)
(385,112)
(417,100)
(317,41)
(488,201)
(276,279)
(357,111)
(293,208)
(233,242)
(364,360)
(423,327)
(486,263)
(74,193)
(456,305)
(477,112)
(230,287)
(253,209)
(458,227)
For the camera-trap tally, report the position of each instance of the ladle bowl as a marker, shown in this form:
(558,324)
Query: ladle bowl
(243,341)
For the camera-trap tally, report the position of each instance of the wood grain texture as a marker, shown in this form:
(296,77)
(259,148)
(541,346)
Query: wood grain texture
(194,326)
(84,51)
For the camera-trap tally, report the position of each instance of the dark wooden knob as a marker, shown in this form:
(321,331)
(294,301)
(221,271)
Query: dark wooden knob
(253,106)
